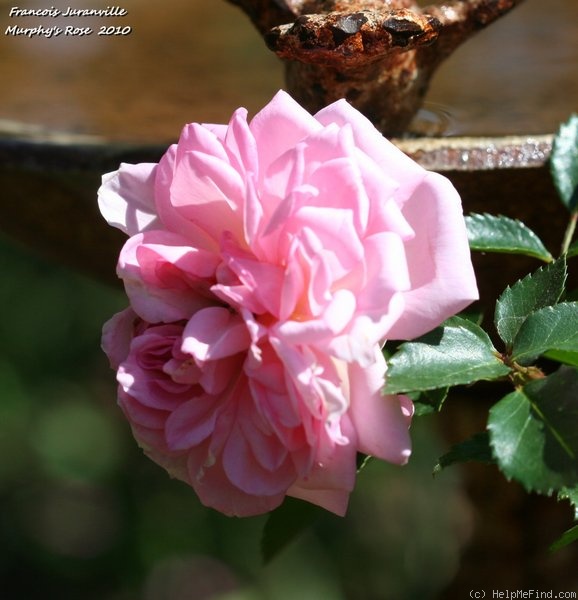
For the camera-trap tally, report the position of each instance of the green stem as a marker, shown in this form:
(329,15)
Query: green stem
(520,375)
(569,233)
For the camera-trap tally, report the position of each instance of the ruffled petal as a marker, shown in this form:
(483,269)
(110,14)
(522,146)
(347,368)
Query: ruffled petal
(126,198)
(442,276)
(172,219)
(191,423)
(330,482)
(368,139)
(213,333)
(117,334)
(216,491)
(381,422)
(165,278)
(279,126)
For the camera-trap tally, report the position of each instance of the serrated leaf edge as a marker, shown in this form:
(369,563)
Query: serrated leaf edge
(520,283)
(542,254)
(545,309)
(461,324)
(547,491)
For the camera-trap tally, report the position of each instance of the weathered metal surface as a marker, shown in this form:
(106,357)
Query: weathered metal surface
(379,56)
(352,39)
(479,153)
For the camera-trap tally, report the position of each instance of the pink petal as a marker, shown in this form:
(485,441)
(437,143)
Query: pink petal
(261,279)
(209,193)
(200,138)
(165,278)
(340,185)
(252,217)
(217,129)
(386,271)
(357,343)
(330,482)
(126,198)
(322,147)
(155,392)
(384,211)
(191,423)
(337,314)
(191,264)
(293,285)
(172,219)
(267,448)
(381,422)
(300,364)
(278,410)
(278,184)
(216,491)
(214,333)
(217,375)
(241,145)
(141,415)
(247,473)
(391,160)
(442,277)
(280,125)
(302,332)
(336,232)
(152,443)
(117,334)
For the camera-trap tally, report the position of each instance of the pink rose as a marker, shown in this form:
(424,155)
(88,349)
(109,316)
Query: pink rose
(267,263)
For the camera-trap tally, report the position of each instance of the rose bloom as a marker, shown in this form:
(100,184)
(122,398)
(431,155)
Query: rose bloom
(267,263)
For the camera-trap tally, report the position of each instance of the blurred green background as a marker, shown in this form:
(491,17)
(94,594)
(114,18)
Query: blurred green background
(84,515)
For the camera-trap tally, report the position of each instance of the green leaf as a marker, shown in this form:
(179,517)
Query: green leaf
(567,538)
(285,524)
(551,328)
(564,163)
(457,352)
(537,290)
(491,233)
(563,356)
(429,401)
(534,433)
(477,449)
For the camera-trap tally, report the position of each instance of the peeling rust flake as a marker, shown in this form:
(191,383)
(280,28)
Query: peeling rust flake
(407,29)
(347,26)
(351,39)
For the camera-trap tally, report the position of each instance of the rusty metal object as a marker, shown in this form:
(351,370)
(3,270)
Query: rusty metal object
(351,40)
(265,14)
(380,56)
